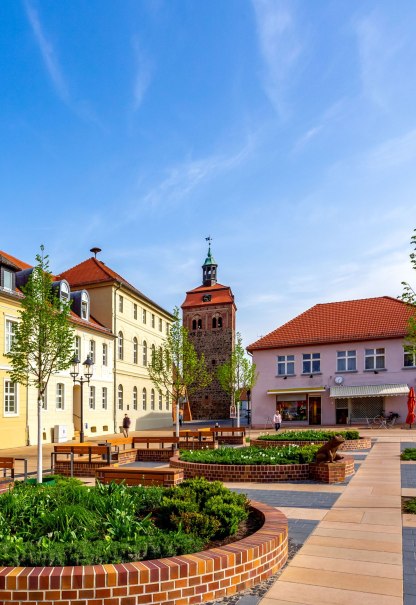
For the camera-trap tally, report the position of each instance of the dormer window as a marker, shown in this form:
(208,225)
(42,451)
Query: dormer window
(7,279)
(64,292)
(85,306)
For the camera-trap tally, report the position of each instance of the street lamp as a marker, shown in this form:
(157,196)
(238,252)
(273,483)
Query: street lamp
(248,408)
(88,367)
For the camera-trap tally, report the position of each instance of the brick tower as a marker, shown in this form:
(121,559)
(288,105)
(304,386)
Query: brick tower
(209,315)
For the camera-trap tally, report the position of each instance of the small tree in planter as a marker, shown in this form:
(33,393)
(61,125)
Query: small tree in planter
(43,339)
(237,374)
(176,368)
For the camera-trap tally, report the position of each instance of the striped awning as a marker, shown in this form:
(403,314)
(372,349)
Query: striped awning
(374,390)
(294,391)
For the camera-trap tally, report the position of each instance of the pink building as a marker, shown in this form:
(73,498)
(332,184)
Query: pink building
(336,363)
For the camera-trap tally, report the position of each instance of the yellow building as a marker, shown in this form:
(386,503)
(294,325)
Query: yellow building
(13,419)
(62,410)
(140,326)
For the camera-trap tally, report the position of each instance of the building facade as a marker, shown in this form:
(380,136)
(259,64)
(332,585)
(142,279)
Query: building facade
(337,363)
(62,401)
(209,315)
(13,420)
(140,326)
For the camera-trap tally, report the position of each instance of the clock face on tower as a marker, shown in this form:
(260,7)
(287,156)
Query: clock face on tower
(206,298)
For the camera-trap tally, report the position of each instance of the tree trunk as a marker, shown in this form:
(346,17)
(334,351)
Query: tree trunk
(39,468)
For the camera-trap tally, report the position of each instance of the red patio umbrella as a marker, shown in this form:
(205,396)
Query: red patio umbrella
(411,404)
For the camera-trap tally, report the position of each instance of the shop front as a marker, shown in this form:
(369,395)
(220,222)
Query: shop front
(356,403)
(300,406)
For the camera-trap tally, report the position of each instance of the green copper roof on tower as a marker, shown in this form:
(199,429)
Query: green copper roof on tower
(209,259)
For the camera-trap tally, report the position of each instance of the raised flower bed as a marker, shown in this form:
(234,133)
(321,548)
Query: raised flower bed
(252,464)
(352,442)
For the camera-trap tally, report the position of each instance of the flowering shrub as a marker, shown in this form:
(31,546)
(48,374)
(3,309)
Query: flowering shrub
(309,435)
(291,454)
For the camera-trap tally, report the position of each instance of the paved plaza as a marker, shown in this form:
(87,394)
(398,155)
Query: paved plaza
(353,545)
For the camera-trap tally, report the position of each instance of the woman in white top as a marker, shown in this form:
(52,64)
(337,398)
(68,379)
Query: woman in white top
(277,419)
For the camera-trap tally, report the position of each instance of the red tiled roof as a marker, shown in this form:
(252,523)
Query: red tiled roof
(15,261)
(365,319)
(219,295)
(92,323)
(93,271)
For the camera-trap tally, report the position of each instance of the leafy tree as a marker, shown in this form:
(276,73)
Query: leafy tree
(409,296)
(43,339)
(237,374)
(176,368)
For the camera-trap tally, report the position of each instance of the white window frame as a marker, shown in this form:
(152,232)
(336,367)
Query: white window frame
(160,324)
(120,303)
(64,292)
(134,311)
(144,316)
(11,273)
(77,346)
(85,306)
(120,397)
(311,361)
(153,320)
(91,400)
(120,345)
(135,350)
(92,350)
(134,398)
(285,363)
(152,399)
(105,354)
(60,397)
(372,358)
(167,400)
(10,389)
(104,398)
(346,357)
(145,360)
(144,398)
(160,401)
(410,355)
(9,333)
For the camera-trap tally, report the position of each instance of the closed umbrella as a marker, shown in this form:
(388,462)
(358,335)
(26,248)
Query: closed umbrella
(411,404)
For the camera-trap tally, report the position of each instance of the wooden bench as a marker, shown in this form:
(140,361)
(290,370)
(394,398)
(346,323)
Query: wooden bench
(229,434)
(82,454)
(9,464)
(140,476)
(196,435)
(161,441)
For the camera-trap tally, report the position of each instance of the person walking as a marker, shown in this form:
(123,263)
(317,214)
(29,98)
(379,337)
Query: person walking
(180,419)
(277,419)
(126,425)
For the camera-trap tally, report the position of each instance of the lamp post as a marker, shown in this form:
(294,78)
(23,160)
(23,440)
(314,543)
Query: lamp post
(88,364)
(248,408)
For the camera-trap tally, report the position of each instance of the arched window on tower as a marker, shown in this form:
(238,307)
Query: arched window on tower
(199,324)
(217,321)
(194,324)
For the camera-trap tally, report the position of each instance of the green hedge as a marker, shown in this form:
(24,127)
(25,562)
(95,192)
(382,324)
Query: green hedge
(309,435)
(70,524)
(291,454)
(409,454)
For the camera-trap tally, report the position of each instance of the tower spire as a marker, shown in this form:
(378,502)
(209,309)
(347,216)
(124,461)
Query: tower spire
(209,268)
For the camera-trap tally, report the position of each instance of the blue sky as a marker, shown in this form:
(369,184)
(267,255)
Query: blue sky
(285,130)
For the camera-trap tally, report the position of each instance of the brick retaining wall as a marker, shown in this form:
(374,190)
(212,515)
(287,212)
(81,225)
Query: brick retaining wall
(267,473)
(182,580)
(363,443)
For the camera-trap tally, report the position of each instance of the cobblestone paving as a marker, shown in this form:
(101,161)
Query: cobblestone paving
(409,565)
(290,498)
(408,474)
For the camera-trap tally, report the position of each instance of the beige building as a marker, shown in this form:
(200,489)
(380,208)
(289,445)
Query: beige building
(13,397)
(140,326)
(61,415)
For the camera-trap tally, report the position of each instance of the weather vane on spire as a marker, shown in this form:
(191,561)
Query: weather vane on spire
(208,239)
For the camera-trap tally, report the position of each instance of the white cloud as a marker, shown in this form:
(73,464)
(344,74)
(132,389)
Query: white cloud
(48,53)
(378,47)
(142,76)
(280,46)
